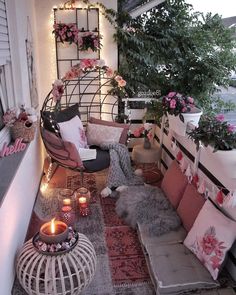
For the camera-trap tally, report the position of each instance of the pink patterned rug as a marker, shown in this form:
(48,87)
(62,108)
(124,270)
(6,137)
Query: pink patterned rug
(127,262)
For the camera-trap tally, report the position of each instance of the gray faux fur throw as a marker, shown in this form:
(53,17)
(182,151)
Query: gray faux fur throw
(147,205)
(120,170)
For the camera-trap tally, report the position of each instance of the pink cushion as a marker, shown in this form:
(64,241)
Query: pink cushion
(189,206)
(211,236)
(63,152)
(174,184)
(124,134)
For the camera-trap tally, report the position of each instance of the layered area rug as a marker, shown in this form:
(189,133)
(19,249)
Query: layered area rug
(121,267)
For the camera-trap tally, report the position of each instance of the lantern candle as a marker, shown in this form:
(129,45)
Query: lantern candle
(53,232)
(66,201)
(83,206)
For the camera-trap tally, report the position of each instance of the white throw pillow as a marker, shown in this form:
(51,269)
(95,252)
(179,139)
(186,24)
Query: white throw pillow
(73,131)
(211,236)
(99,134)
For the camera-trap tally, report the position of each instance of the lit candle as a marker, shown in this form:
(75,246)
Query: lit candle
(66,201)
(53,232)
(83,202)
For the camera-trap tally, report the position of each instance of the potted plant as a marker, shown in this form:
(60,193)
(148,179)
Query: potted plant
(220,139)
(180,110)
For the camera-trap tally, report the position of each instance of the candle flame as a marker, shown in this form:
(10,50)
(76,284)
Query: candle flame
(52,226)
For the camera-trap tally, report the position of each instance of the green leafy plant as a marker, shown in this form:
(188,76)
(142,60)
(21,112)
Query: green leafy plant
(172,47)
(216,132)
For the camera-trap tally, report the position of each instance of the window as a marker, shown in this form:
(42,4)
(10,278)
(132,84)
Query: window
(6,81)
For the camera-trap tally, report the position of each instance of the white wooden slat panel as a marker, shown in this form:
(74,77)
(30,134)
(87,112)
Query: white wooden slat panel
(2,6)
(4,37)
(3,21)
(3,14)
(3,30)
(4,45)
(4,53)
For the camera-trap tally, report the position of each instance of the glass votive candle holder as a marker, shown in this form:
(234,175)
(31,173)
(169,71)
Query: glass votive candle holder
(83,198)
(67,206)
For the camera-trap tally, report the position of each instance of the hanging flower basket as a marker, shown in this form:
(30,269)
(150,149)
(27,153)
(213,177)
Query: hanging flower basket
(179,123)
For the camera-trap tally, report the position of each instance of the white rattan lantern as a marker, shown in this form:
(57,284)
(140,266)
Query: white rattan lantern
(58,274)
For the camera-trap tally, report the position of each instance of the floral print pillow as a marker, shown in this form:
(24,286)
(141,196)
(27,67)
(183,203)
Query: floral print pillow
(211,236)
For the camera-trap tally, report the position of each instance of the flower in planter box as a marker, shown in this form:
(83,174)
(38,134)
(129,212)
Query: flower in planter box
(175,103)
(89,41)
(216,132)
(145,130)
(66,32)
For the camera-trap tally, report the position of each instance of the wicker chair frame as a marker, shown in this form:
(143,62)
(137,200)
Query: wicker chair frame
(93,93)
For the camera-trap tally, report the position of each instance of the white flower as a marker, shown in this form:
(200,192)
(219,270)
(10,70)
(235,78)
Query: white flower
(101,63)
(57,83)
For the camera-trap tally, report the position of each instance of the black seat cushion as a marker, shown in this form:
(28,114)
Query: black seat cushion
(61,116)
(101,162)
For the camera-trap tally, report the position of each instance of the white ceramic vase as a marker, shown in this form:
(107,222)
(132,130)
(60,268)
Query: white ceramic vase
(179,126)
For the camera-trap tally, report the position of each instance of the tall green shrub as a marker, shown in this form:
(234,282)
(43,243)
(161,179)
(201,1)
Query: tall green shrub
(173,48)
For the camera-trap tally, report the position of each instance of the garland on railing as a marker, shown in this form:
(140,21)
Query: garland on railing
(203,188)
(88,65)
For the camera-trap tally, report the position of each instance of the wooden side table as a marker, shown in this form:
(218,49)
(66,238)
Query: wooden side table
(140,155)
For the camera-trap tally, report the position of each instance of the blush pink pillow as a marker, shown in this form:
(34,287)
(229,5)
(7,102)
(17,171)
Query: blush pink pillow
(62,151)
(174,184)
(124,134)
(189,206)
(211,236)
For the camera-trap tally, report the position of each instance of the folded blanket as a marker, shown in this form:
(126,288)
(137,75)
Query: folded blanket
(120,171)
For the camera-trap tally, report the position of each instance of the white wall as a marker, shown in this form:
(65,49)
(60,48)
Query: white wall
(46,42)
(16,208)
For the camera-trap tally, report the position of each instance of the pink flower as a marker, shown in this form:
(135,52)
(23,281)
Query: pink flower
(138,132)
(69,34)
(150,135)
(70,75)
(172,103)
(109,72)
(215,262)
(122,83)
(57,90)
(171,94)
(220,117)
(118,78)
(231,128)
(184,109)
(190,100)
(209,243)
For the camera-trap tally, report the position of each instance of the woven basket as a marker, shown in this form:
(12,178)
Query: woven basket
(23,129)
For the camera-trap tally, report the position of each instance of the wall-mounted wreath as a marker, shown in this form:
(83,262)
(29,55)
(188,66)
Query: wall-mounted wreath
(89,41)
(66,32)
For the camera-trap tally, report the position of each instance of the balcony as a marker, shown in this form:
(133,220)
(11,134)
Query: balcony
(22,181)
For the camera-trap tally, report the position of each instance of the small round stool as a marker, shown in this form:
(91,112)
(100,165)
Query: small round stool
(56,274)
(140,155)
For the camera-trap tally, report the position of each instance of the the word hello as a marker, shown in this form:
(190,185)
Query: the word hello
(18,146)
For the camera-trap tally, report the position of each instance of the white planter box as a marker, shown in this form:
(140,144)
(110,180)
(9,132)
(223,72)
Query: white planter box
(180,127)
(225,161)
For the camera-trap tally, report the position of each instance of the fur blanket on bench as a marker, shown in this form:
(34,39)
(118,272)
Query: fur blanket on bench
(148,206)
